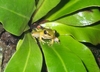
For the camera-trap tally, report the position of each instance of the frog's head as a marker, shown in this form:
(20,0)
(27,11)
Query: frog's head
(49,33)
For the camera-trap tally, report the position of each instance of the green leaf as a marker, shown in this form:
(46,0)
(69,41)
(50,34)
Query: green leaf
(39,3)
(89,34)
(82,52)
(45,7)
(67,7)
(69,56)
(27,57)
(82,18)
(60,59)
(15,14)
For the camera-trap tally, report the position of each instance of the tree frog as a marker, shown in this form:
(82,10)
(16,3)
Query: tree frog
(46,34)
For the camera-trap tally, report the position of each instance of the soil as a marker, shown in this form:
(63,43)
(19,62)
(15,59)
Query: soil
(8,44)
(96,52)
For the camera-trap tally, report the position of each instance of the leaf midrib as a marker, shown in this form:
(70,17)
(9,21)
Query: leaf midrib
(27,58)
(60,59)
(21,15)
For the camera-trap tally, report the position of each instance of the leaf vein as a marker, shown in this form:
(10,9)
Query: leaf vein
(60,59)
(27,59)
(15,12)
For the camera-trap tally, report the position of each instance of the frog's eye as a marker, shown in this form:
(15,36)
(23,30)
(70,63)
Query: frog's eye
(45,32)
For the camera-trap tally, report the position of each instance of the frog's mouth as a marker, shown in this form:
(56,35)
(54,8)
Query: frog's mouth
(46,40)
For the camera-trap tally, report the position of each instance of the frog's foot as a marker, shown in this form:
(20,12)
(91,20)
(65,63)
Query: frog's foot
(42,41)
(53,40)
(50,43)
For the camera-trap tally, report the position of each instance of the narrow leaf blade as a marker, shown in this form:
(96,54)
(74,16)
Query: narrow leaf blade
(67,7)
(27,58)
(82,52)
(82,18)
(44,8)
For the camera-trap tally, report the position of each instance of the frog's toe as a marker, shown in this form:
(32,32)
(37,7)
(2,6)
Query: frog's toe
(43,41)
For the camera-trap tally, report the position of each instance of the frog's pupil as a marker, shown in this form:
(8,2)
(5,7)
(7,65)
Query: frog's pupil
(45,32)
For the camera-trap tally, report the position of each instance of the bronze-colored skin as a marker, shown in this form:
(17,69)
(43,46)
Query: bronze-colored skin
(45,34)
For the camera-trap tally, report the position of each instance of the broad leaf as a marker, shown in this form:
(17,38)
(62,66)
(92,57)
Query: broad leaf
(15,14)
(66,7)
(60,59)
(27,57)
(82,52)
(89,34)
(69,56)
(82,18)
(38,3)
(44,8)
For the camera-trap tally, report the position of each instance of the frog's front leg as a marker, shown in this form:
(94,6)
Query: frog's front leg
(41,40)
(54,40)
(51,42)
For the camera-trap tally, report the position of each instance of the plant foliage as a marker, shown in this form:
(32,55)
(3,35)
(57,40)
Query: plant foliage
(76,21)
